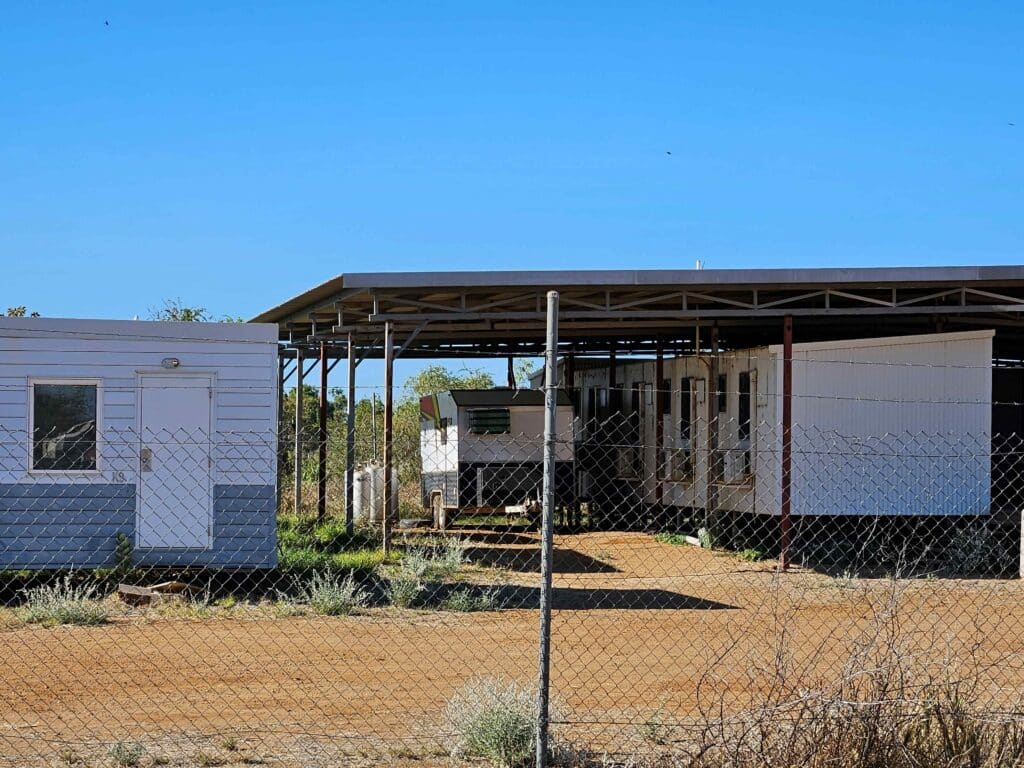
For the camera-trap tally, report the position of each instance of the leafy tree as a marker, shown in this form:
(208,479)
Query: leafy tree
(20,312)
(437,378)
(175,310)
(523,368)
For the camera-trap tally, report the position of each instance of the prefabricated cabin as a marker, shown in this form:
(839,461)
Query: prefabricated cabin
(895,426)
(156,433)
(483,449)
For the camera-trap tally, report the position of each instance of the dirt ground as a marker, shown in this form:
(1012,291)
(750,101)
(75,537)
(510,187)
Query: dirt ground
(640,627)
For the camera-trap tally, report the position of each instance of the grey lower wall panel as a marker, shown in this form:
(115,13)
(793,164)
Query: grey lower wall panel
(75,525)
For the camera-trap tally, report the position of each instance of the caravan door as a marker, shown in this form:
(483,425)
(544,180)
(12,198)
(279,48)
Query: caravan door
(175,479)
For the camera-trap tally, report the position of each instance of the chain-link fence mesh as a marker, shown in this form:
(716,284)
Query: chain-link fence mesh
(167,602)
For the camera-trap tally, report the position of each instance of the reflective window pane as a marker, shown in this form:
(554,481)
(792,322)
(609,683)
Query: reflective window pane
(64,427)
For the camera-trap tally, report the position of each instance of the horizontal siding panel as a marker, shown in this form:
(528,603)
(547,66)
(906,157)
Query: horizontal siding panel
(102,528)
(244,492)
(52,489)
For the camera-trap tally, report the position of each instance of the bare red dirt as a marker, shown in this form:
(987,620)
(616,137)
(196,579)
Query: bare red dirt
(639,627)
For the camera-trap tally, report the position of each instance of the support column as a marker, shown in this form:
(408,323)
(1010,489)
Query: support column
(713,463)
(570,377)
(389,452)
(659,425)
(510,376)
(613,375)
(321,466)
(279,448)
(298,431)
(787,441)
(350,436)
(573,507)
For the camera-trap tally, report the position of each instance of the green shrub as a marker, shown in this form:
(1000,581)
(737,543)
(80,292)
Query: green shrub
(676,539)
(63,602)
(493,720)
(435,558)
(403,589)
(750,555)
(463,600)
(123,554)
(126,753)
(330,595)
(460,600)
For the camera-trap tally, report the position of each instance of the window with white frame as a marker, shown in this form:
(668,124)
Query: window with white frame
(64,433)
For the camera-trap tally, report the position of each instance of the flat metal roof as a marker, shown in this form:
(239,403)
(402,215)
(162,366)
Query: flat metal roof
(461,314)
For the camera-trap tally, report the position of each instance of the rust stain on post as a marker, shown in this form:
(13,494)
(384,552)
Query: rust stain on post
(787,440)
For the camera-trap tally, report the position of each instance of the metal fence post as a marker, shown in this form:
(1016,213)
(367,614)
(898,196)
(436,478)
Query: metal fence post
(550,429)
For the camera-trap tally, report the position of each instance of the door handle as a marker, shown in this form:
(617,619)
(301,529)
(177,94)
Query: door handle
(146,459)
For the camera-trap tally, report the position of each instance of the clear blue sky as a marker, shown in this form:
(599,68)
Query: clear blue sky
(235,154)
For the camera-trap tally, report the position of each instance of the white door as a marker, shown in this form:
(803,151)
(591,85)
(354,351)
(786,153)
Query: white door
(175,491)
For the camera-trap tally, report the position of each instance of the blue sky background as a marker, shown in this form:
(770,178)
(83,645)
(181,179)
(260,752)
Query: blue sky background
(234,154)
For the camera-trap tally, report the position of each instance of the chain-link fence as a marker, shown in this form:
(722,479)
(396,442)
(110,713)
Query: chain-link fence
(167,603)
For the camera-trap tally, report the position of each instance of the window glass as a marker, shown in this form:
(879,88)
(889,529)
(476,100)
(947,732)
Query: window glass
(685,410)
(490,421)
(64,427)
(743,415)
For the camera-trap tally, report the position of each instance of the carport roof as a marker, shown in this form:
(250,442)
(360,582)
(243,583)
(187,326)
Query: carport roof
(460,314)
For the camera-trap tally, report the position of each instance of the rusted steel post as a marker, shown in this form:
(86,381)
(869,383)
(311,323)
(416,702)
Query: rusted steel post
(350,437)
(659,424)
(321,466)
(787,441)
(298,431)
(280,447)
(389,448)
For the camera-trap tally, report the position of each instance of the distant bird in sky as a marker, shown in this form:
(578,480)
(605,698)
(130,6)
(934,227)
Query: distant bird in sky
(106,23)
(668,153)
(1011,124)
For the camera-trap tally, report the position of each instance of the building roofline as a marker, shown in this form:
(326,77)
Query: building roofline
(686,278)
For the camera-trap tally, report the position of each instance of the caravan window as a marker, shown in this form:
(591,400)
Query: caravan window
(64,431)
(685,411)
(490,421)
(743,414)
(743,417)
(682,464)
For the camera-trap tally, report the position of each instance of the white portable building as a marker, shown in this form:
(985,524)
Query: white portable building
(160,433)
(884,426)
(483,449)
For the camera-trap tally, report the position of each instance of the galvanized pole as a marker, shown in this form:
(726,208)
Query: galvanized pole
(350,437)
(298,431)
(550,429)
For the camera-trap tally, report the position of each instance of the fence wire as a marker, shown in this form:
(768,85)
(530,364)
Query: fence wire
(166,602)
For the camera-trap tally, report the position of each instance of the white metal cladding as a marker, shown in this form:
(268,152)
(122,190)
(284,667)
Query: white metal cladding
(523,443)
(859,405)
(872,399)
(241,357)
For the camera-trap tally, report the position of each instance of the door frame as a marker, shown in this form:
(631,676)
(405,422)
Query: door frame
(143,373)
